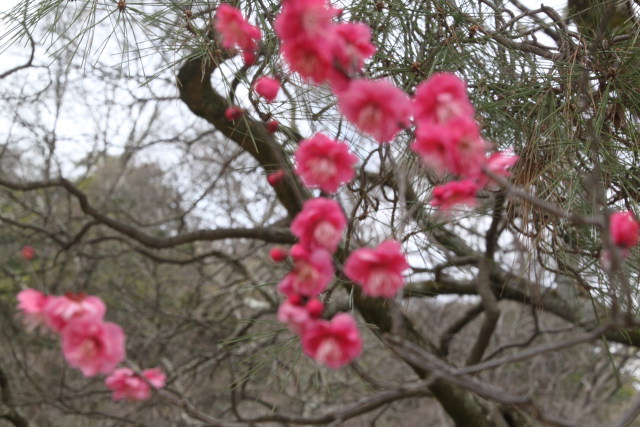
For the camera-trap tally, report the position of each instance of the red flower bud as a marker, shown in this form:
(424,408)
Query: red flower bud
(295,299)
(28,253)
(272,126)
(275,177)
(315,308)
(278,254)
(233,113)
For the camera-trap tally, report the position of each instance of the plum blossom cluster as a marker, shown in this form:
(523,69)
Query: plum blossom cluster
(327,164)
(318,48)
(448,141)
(322,50)
(319,228)
(447,135)
(88,342)
(236,32)
(324,163)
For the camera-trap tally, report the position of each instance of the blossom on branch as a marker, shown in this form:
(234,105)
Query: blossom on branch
(60,310)
(267,88)
(455,148)
(93,346)
(311,274)
(311,58)
(233,113)
(299,316)
(236,31)
(440,99)
(126,384)
(624,229)
(320,224)
(378,271)
(499,164)
(272,126)
(455,193)
(376,107)
(309,19)
(351,46)
(32,304)
(335,343)
(278,254)
(324,163)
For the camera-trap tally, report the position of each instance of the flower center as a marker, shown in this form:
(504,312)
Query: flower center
(306,274)
(370,116)
(326,235)
(322,168)
(447,107)
(379,279)
(90,348)
(329,352)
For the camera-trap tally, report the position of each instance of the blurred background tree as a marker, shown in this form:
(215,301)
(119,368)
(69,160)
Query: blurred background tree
(118,167)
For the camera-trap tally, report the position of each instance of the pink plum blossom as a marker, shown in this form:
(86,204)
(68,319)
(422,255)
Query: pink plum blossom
(126,384)
(267,88)
(376,107)
(304,19)
(378,271)
(60,310)
(310,58)
(351,46)
(335,343)
(624,229)
(320,224)
(236,31)
(440,99)
(311,273)
(324,163)
(499,164)
(455,148)
(297,317)
(455,193)
(32,304)
(93,346)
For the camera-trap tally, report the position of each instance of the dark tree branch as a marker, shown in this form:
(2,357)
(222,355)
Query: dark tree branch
(273,235)
(489,300)
(196,91)
(27,64)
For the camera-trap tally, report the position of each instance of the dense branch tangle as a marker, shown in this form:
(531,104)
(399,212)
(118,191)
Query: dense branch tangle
(512,84)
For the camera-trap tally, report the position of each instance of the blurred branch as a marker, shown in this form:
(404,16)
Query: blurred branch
(7,400)
(274,235)
(29,62)
(489,301)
